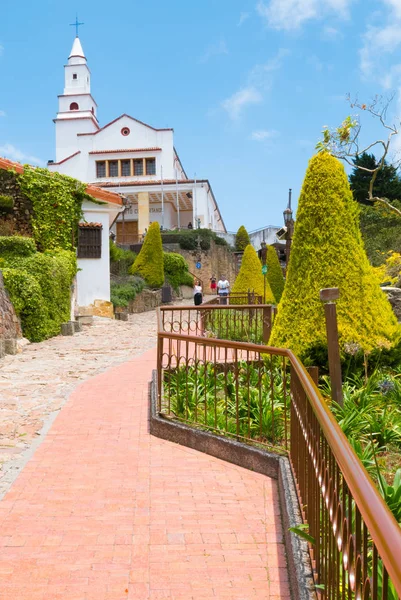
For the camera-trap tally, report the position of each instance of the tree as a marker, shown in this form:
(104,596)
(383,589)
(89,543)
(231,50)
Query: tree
(149,262)
(250,277)
(241,239)
(274,273)
(343,142)
(327,251)
(387,184)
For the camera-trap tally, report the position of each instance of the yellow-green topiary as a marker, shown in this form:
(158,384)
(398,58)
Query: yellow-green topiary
(250,276)
(328,251)
(274,273)
(149,262)
(241,239)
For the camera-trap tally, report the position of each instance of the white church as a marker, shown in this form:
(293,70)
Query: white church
(130,158)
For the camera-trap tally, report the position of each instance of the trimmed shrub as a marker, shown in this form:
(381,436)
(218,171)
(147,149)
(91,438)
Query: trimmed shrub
(176,270)
(16,245)
(250,276)
(120,260)
(149,262)
(241,239)
(39,287)
(274,273)
(327,251)
(187,239)
(6,205)
(121,294)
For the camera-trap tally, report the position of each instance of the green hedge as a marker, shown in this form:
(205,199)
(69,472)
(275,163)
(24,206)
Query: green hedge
(188,239)
(121,294)
(16,245)
(176,270)
(39,287)
(120,260)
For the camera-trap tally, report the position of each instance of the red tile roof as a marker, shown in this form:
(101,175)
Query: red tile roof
(126,150)
(147,182)
(99,225)
(65,159)
(92,190)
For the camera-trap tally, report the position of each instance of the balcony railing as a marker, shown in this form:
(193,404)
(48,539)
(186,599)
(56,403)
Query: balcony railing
(265,396)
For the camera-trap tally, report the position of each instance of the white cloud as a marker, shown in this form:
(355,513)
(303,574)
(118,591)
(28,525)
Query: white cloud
(13,153)
(242,18)
(2,113)
(331,33)
(237,102)
(214,50)
(259,79)
(263,134)
(291,14)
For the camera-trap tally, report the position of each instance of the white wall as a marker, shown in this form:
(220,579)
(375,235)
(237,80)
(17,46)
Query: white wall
(93,280)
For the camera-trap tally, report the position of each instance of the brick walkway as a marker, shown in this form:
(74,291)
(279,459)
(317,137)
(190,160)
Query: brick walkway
(104,511)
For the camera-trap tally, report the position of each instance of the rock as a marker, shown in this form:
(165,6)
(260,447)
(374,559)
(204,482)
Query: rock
(22,343)
(103,308)
(394,297)
(10,346)
(77,326)
(85,320)
(67,328)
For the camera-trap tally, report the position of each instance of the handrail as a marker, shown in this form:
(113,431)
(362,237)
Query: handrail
(213,307)
(383,527)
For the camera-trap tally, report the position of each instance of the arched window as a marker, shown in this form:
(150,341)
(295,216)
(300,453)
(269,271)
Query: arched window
(74,106)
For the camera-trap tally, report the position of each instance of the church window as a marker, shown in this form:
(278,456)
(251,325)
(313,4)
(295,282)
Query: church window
(125,131)
(150,166)
(125,168)
(74,106)
(138,166)
(113,168)
(90,241)
(101,168)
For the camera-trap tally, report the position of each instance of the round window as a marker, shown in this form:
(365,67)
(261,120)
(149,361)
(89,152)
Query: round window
(125,131)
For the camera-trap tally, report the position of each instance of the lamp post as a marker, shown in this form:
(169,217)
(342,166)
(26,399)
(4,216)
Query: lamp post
(264,268)
(289,223)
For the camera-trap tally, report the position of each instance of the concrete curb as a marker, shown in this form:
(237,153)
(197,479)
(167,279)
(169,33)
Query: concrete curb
(261,461)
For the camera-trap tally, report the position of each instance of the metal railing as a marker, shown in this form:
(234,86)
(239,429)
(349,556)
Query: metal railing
(265,396)
(250,298)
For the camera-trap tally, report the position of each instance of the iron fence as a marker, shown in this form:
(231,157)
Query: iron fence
(265,396)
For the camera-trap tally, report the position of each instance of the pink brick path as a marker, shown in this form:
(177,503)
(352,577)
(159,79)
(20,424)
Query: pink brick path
(104,511)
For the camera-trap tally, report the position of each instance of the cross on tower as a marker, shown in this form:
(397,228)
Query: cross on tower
(76,25)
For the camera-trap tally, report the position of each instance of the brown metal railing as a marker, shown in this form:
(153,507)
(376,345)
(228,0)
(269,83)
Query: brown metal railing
(247,322)
(249,298)
(264,395)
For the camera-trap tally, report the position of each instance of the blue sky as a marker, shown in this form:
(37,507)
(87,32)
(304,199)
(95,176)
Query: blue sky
(247,85)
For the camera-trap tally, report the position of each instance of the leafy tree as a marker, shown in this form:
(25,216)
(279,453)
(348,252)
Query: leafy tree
(241,239)
(176,270)
(381,231)
(327,251)
(149,262)
(250,277)
(387,184)
(274,273)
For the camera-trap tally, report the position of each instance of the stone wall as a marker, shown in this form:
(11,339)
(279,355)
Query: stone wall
(146,300)
(20,219)
(217,261)
(10,328)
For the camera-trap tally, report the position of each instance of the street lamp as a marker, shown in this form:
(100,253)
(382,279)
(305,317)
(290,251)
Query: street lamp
(264,267)
(289,223)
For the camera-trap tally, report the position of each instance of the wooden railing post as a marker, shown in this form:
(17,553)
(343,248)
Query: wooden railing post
(328,296)
(267,323)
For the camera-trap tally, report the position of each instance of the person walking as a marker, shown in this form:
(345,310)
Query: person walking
(197,293)
(223,288)
(213,284)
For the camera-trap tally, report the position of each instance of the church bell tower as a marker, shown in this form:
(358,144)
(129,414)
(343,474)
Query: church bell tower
(76,107)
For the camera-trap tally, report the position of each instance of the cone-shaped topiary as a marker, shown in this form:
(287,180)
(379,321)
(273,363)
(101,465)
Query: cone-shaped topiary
(327,251)
(250,276)
(274,273)
(149,262)
(241,239)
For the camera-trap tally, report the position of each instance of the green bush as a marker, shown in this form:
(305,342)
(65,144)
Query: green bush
(149,262)
(241,239)
(274,273)
(6,204)
(120,260)
(250,276)
(327,251)
(176,270)
(121,294)
(188,239)
(39,287)
(16,245)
